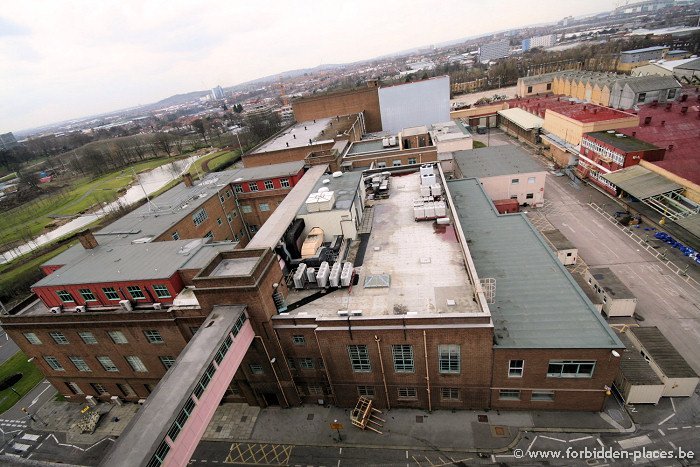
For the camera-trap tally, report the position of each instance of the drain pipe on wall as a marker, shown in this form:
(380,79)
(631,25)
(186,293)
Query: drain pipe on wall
(427,373)
(272,365)
(381,364)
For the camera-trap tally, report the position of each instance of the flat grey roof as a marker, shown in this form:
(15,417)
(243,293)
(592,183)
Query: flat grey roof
(344,188)
(537,304)
(663,352)
(298,135)
(612,284)
(266,171)
(494,161)
(640,182)
(690,223)
(590,293)
(634,367)
(646,49)
(110,263)
(558,239)
(370,145)
(522,118)
(147,429)
(234,267)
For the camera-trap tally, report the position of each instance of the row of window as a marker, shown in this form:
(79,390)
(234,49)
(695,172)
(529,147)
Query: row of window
(107,363)
(100,389)
(411,393)
(530,181)
(87,337)
(516,395)
(599,149)
(160,290)
(247,209)
(267,184)
(396,163)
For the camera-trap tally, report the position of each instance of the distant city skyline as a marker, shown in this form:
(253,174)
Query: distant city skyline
(71,59)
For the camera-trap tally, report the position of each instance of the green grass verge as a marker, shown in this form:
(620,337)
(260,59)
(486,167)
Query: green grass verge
(32,376)
(215,159)
(223,161)
(478,144)
(8,177)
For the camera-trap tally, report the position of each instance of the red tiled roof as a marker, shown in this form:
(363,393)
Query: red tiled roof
(583,112)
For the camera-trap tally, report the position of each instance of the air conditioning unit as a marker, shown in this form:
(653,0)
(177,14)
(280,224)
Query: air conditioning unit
(80,309)
(356,312)
(56,310)
(342,312)
(126,305)
(157,306)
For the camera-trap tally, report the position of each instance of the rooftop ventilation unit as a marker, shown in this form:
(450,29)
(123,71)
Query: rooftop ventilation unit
(80,309)
(346,275)
(355,312)
(311,274)
(300,277)
(126,305)
(56,310)
(342,312)
(335,274)
(157,306)
(324,272)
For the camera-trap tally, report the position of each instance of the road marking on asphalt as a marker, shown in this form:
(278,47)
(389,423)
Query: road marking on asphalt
(667,419)
(580,439)
(338,462)
(672,428)
(30,437)
(553,439)
(270,454)
(533,442)
(600,442)
(673,404)
(661,432)
(635,442)
(672,445)
(406,454)
(686,427)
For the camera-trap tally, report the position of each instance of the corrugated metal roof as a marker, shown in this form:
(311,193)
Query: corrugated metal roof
(691,224)
(494,161)
(663,352)
(522,118)
(691,64)
(646,49)
(640,182)
(651,83)
(537,303)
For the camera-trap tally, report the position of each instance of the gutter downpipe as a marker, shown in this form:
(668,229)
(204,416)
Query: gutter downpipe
(381,364)
(272,365)
(427,374)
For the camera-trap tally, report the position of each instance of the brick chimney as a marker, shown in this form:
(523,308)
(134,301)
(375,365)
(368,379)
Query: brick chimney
(87,239)
(187,178)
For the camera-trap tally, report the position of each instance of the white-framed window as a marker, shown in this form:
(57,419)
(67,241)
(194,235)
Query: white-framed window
(153,336)
(570,368)
(117,337)
(412,160)
(246,209)
(449,394)
(209,235)
(264,207)
(135,292)
(256,368)
(514,181)
(87,295)
(54,363)
(403,358)
(306,363)
(228,194)
(65,296)
(75,389)
(233,214)
(253,186)
(359,358)
(298,340)
(59,338)
(167,361)
(284,182)
(238,188)
(315,389)
(529,196)
(221,198)
(80,364)
(176,236)
(531,180)
(161,291)
(108,364)
(545,396)
(88,337)
(367,391)
(515,368)
(509,394)
(449,358)
(136,364)
(32,338)
(199,216)
(219,222)
(269,185)
(127,390)
(381,165)
(408,393)
(671,94)
(396,163)
(110,293)
(99,389)
(228,217)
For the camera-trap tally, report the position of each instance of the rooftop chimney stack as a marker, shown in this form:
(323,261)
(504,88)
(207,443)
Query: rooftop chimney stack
(647,120)
(187,179)
(87,239)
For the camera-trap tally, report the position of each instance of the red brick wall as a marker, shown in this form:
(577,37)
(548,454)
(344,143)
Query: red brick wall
(341,103)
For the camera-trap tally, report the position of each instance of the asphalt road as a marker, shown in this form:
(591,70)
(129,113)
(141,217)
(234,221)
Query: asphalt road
(7,347)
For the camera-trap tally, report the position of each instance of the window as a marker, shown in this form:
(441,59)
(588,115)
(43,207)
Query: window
(291,363)
(253,186)
(642,97)
(59,338)
(80,364)
(547,396)
(221,198)
(246,209)
(306,363)
(315,389)
(381,165)
(117,337)
(136,364)
(411,160)
(228,194)
(284,182)
(549,86)
(228,217)
(108,364)
(367,391)
(167,361)
(531,180)
(176,236)
(149,388)
(65,296)
(264,207)
(403,358)
(449,394)
(54,363)
(219,221)
(529,89)
(321,365)
(269,185)
(396,163)
(88,337)
(237,189)
(127,390)
(74,388)
(671,93)
(154,337)
(99,389)
(32,338)
(298,340)
(87,295)
(408,393)
(194,329)
(199,216)
(256,368)
(209,235)
(515,181)
(110,293)
(233,214)
(253,228)
(570,368)
(529,196)
(509,395)
(515,368)
(135,292)
(161,291)
(159,456)
(359,358)
(449,358)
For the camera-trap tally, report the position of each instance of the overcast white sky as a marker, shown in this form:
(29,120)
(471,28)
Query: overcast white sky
(66,59)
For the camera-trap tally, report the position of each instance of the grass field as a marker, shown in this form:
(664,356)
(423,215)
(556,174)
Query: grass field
(8,177)
(32,376)
(214,162)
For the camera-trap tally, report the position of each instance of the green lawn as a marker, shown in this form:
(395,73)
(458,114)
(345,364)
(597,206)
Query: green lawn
(213,162)
(32,376)
(8,177)
(223,160)
(478,144)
